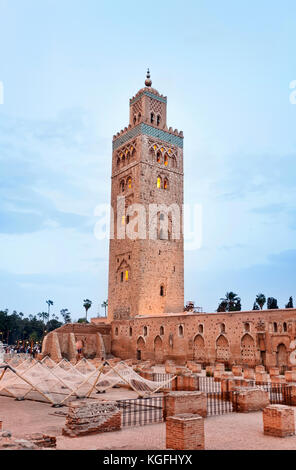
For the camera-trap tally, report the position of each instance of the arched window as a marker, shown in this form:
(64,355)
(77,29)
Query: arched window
(165,184)
(200,328)
(145,331)
(129,183)
(161,330)
(158,182)
(158,156)
(275,327)
(166,160)
(285,326)
(135,119)
(122,185)
(121,277)
(247,326)
(139,117)
(131,331)
(126,275)
(222,328)
(123,160)
(118,161)
(161,291)
(158,120)
(181,330)
(161,217)
(116,331)
(152,118)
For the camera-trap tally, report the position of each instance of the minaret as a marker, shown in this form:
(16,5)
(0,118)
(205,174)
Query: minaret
(146,274)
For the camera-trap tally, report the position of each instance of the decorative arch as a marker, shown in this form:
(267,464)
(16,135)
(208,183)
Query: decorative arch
(281,357)
(222,349)
(158,349)
(199,352)
(248,351)
(141,347)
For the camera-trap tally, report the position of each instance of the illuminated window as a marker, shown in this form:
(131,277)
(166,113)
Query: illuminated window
(159,182)
(126,275)
(165,184)
(123,220)
(166,160)
(129,183)
(158,156)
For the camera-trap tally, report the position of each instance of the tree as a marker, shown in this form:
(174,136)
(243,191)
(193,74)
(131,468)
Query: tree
(272,303)
(260,299)
(66,315)
(255,306)
(86,304)
(49,303)
(290,303)
(231,303)
(82,320)
(105,305)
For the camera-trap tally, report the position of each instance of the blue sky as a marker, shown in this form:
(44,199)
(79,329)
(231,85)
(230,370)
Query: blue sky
(69,68)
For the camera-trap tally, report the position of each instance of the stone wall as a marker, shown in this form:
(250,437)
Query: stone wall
(243,338)
(90,417)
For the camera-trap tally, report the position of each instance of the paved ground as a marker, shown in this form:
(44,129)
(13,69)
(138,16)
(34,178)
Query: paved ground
(229,431)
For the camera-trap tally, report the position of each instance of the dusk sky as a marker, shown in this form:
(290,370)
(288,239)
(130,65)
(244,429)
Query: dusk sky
(68,69)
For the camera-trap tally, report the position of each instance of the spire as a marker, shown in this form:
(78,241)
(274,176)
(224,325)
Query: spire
(148,82)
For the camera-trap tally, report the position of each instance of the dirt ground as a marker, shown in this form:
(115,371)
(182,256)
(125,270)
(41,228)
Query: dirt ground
(229,431)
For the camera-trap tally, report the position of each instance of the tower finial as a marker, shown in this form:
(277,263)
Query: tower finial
(148,81)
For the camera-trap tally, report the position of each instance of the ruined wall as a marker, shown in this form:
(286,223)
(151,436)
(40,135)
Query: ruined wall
(94,339)
(252,337)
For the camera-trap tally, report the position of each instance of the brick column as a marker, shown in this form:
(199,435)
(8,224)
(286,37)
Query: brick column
(185,402)
(185,432)
(278,420)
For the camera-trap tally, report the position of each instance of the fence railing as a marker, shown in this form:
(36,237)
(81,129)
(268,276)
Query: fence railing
(141,411)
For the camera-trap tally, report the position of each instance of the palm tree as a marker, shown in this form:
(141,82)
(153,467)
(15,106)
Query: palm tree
(66,315)
(260,299)
(49,303)
(105,305)
(86,304)
(231,302)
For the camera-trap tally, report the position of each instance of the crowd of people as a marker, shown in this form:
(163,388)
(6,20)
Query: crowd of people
(23,349)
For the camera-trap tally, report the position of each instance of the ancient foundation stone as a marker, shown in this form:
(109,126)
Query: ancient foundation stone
(249,374)
(237,371)
(278,420)
(89,417)
(251,399)
(185,402)
(185,432)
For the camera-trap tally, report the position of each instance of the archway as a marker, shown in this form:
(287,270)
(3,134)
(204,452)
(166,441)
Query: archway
(140,348)
(199,348)
(222,349)
(158,350)
(281,357)
(248,354)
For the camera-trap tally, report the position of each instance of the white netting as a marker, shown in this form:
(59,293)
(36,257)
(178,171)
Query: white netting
(122,374)
(56,383)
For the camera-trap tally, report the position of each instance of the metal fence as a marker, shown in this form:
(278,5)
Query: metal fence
(162,377)
(141,411)
(220,403)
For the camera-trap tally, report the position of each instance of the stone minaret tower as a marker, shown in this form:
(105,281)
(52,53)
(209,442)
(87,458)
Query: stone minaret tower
(146,273)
